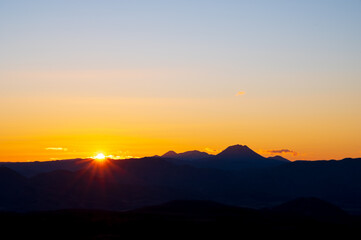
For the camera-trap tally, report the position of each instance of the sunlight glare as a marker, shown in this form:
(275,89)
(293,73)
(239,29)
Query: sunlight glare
(100,156)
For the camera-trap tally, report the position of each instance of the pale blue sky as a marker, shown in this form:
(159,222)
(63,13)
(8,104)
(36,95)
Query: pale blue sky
(222,45)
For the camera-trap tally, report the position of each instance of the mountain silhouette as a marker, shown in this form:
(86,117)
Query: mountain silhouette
(239,152)
(237,157)
(279,158)
(237,176)
(9,175)
(170,154)
(189,155)
(30,169)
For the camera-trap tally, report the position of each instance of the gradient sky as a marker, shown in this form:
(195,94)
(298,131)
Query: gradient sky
(136,78)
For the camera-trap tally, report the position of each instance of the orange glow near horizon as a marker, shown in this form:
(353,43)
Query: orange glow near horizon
(208,125)
(138,80)
(72,128)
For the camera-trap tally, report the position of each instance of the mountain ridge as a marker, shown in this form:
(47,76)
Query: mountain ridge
(127,184)
(188,155)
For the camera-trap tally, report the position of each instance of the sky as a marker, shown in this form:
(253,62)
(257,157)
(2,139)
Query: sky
(139,78)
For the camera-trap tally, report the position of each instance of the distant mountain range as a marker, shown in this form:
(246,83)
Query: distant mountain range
(236,176)
(189,155)
(235,157)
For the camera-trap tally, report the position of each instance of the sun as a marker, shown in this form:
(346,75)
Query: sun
(100,157)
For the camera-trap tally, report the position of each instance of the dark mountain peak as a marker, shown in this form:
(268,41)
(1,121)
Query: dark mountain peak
(6,172)
(192,152)
(195,154)
(279,158)
(170,154)
(10,178)
(4,169)
(237,147)
(239,151)
(189,155)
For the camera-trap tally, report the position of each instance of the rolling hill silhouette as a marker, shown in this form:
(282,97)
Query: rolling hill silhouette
(33,168)
(314,207)
(181,217)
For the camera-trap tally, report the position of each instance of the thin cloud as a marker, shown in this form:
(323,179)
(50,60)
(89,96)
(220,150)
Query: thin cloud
(56,149)
(211,151)
(240,93)
(282,151)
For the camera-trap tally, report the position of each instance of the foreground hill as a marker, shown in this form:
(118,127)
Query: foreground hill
(180,218)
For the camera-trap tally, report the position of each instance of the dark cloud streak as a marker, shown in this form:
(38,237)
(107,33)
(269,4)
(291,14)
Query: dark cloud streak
(281,151)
